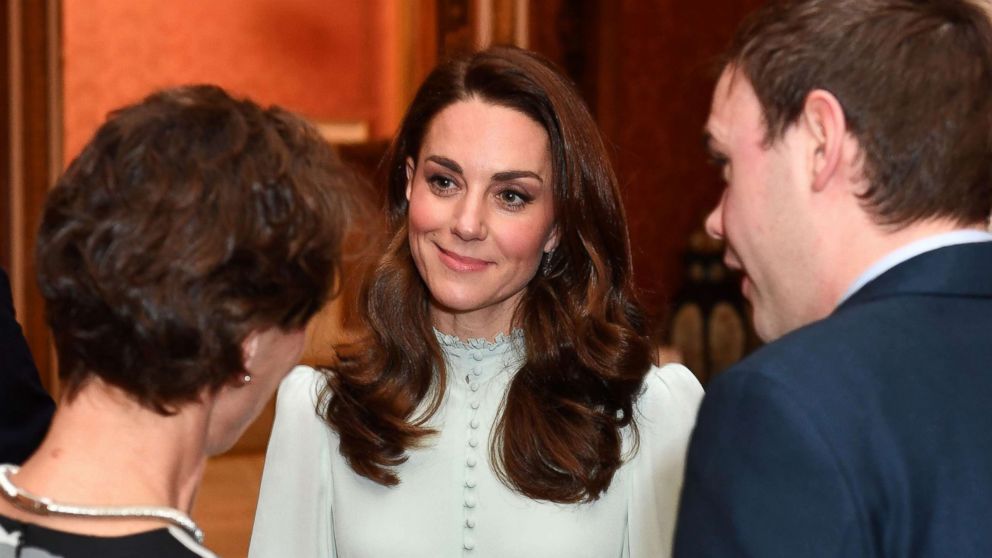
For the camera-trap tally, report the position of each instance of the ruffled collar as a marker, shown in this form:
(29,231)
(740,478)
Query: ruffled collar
(502,341)
(481,357)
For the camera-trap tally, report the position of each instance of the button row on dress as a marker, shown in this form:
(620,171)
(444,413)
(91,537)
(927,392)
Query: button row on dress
(471,460)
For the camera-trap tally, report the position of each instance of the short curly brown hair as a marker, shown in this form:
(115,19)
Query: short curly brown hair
(189,220)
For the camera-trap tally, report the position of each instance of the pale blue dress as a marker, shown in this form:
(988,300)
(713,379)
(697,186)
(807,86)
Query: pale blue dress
(449,502)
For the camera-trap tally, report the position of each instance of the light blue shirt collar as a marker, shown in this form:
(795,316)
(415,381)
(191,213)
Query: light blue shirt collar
(911,250)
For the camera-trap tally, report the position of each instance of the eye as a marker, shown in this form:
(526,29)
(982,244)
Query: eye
(513,199)
(440,183)
(718,161)
(722,165)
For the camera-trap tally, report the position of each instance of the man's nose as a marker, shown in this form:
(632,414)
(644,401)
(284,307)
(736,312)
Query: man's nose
(714,221)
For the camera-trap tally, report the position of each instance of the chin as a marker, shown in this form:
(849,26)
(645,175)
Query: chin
(219,442)
(763,327)
(770,328)
(457,305)
(455,297)
(215,449)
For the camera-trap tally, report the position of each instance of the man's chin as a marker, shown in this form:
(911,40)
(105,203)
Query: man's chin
(766,325)
(746,287)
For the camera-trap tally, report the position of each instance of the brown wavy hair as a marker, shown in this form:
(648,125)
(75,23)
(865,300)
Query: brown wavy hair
(559,436)
(189,220)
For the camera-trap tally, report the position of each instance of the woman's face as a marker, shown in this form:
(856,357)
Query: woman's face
(481,210)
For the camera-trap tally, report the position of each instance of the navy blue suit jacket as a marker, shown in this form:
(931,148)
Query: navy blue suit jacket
(868,433)
(25,407)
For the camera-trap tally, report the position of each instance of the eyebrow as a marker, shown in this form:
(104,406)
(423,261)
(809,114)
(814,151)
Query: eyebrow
(498,177)
(513,175)
(447,163)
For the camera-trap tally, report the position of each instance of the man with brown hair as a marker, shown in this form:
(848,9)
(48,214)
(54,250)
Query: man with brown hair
(854,138)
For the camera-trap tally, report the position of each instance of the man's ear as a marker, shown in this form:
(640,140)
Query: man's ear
(411,167)
(825,125)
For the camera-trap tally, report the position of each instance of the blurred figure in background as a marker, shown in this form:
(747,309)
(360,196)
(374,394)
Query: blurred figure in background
(25,407)
(181,255)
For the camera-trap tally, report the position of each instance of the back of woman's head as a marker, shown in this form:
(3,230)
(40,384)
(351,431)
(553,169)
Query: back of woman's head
(558,437)
(189,220)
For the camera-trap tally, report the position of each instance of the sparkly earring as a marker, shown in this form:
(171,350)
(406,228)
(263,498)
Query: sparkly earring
(546,263)
(245,380)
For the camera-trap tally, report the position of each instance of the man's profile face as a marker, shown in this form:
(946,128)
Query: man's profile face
(761,212)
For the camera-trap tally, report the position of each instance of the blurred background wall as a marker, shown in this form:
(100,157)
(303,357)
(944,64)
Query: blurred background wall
(645,67)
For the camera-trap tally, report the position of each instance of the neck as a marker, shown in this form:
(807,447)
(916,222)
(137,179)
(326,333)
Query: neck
(104,449)
(483,323)
(871,244)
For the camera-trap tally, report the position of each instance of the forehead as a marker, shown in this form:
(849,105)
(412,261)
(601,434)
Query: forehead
(735,113)
(477,132)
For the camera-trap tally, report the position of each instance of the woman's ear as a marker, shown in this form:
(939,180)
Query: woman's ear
(552,243)
(249,349)
(411,168)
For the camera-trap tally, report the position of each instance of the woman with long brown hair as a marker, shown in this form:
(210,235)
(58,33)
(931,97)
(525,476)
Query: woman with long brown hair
(504,402)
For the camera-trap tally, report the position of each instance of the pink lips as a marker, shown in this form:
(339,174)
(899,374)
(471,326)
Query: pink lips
(461,263)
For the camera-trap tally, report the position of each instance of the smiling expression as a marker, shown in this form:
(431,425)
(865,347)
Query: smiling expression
(481,210)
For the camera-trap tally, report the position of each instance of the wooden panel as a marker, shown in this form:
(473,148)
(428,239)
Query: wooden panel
(326,59)
(647,68)
(661,84)
(225,504)
(5,146)
(30,141)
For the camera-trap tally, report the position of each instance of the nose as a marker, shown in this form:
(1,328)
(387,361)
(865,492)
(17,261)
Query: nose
(469,222)
(714,221)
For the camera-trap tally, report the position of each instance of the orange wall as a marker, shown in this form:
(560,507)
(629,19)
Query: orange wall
(326,59)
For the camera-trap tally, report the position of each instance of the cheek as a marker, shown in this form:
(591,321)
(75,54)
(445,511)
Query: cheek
(523,242)
(741,212)
(423,212)
(731,213)
(420,221)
